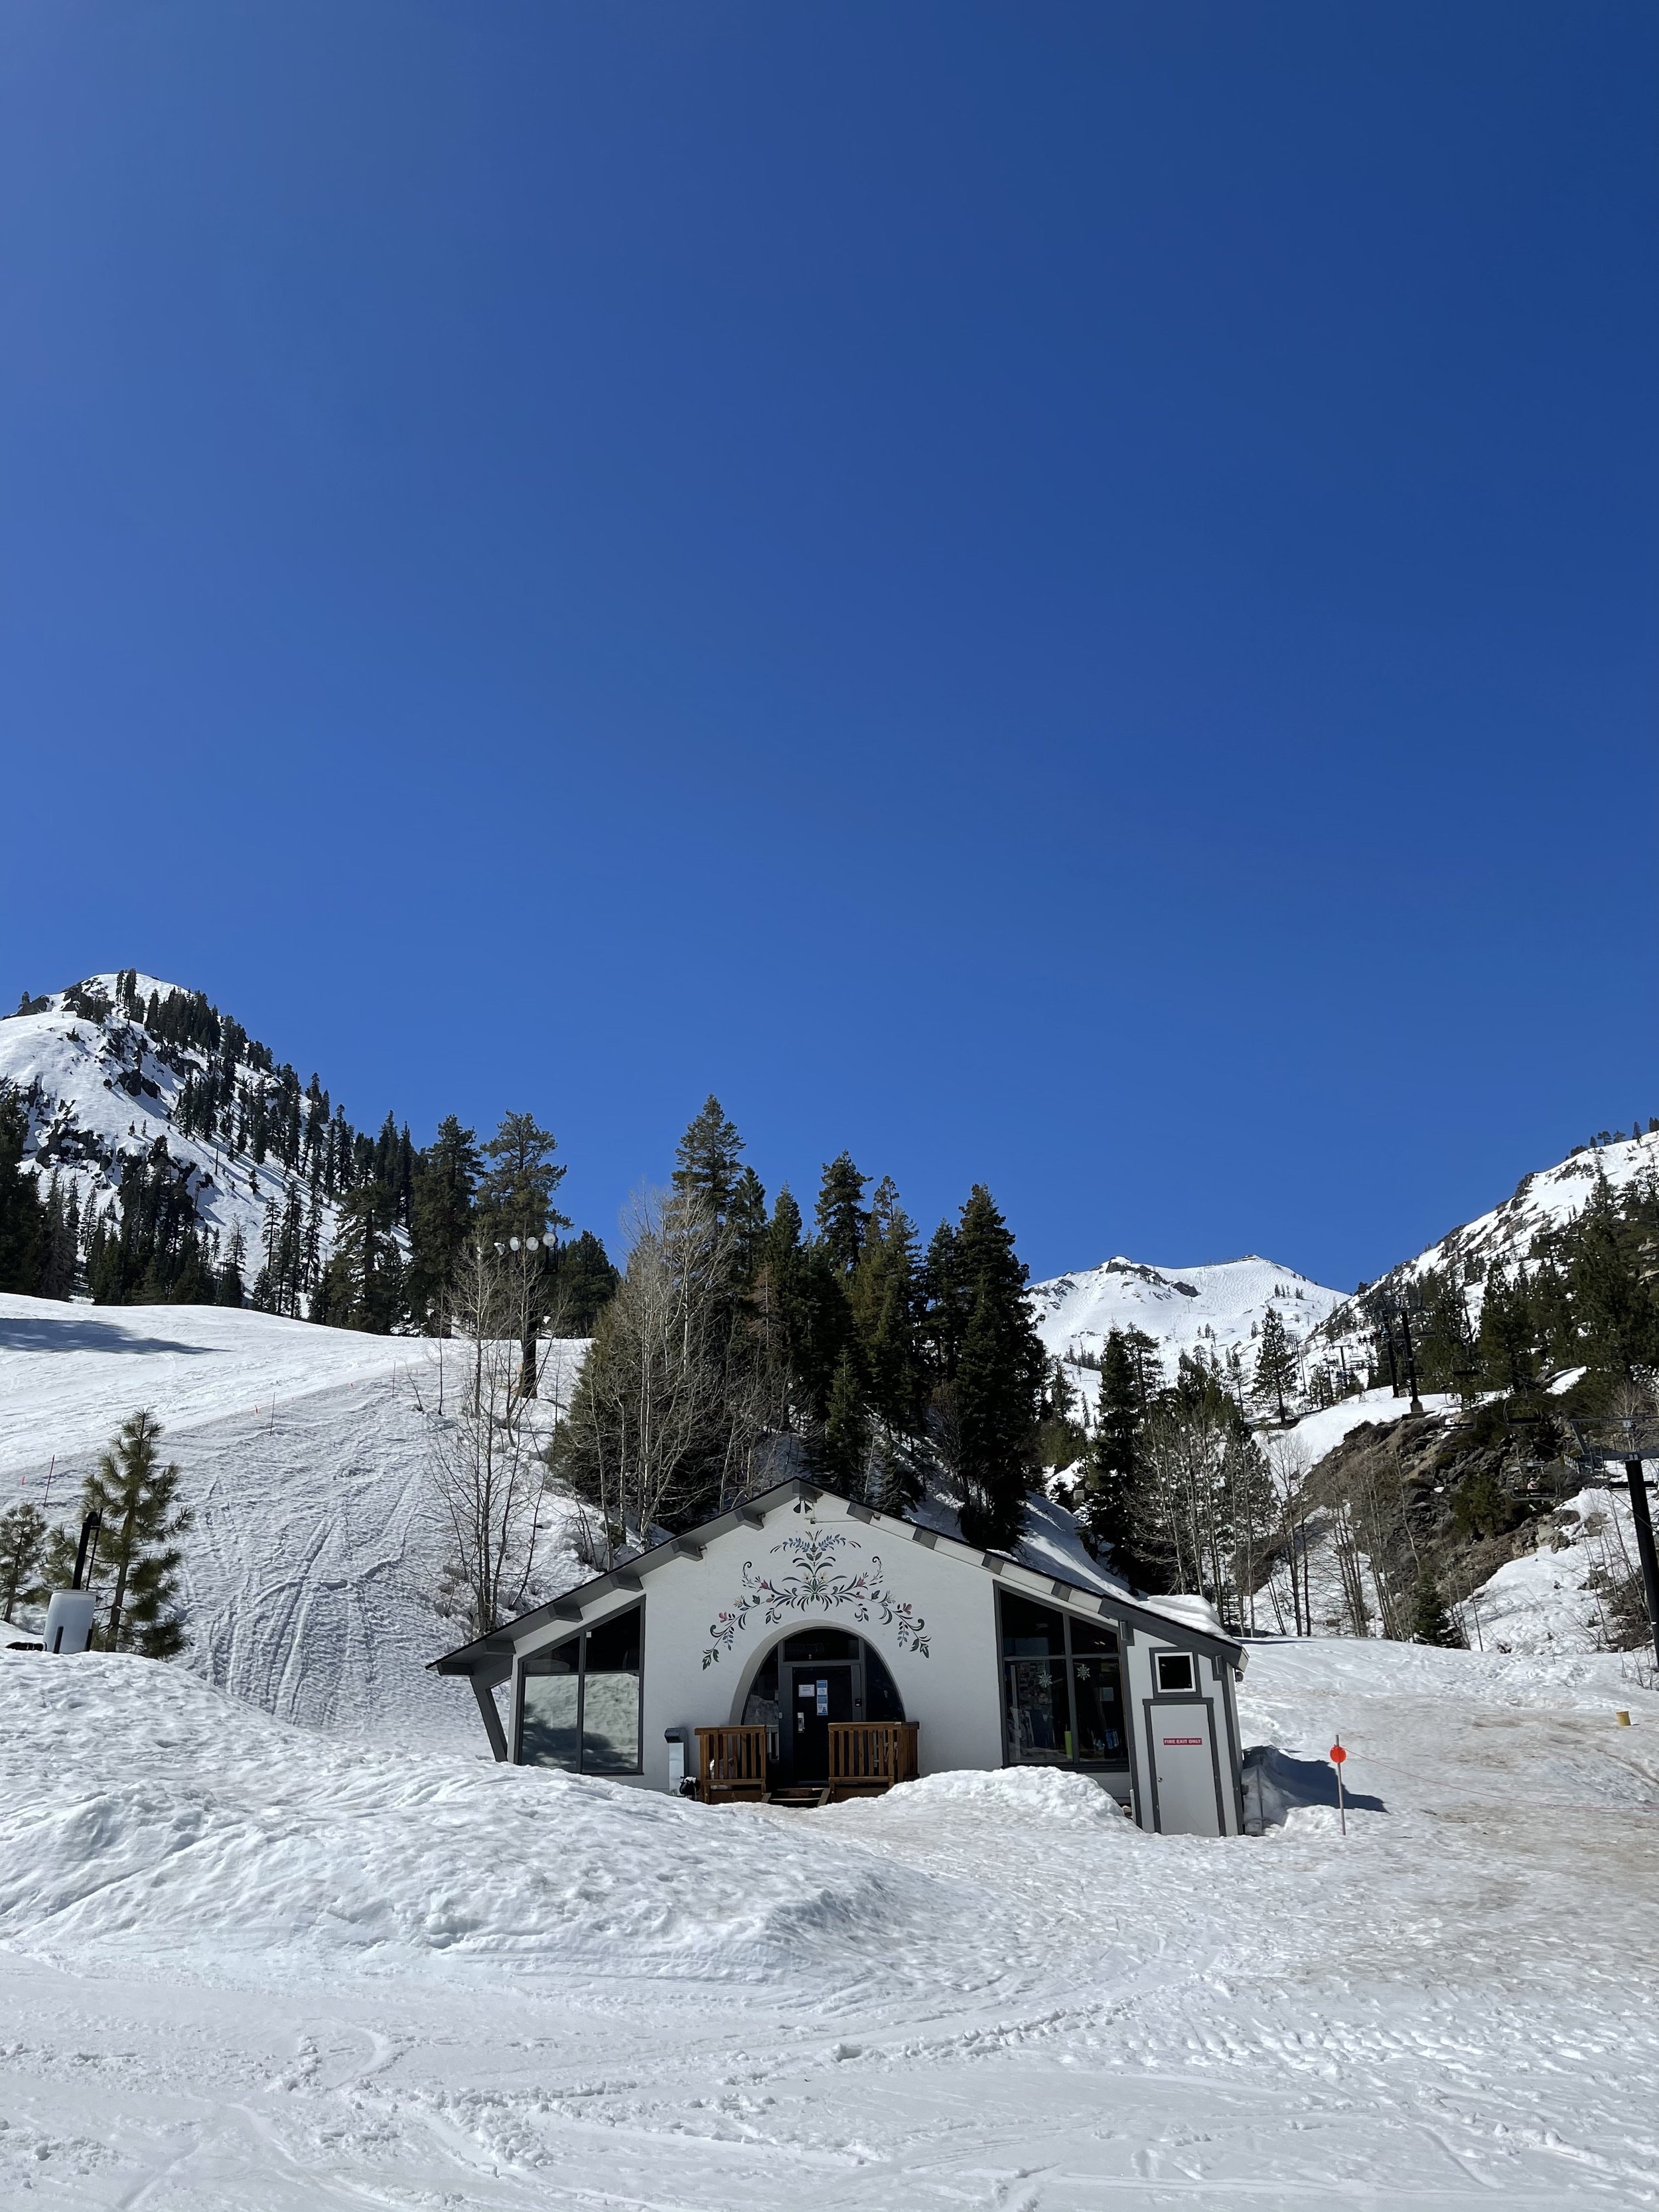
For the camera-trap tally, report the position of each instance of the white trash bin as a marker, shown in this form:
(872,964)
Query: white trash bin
(68,1621)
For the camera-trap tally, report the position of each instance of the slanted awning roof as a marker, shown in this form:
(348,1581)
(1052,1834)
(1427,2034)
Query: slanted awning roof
(1082,1583)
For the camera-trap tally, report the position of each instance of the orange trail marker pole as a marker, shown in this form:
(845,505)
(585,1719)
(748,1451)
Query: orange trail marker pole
(1337,1757)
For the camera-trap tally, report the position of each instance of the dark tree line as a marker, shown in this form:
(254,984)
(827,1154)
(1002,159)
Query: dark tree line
(743,1342)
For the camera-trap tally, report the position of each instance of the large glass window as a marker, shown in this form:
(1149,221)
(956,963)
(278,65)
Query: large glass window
(1061,1687)
(549,1735)
(582,1701)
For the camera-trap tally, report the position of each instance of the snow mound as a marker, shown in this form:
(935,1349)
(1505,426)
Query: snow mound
(145,1816)
(1036,1797)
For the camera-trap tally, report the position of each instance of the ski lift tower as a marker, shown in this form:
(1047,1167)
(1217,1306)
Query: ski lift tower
(1631,1437)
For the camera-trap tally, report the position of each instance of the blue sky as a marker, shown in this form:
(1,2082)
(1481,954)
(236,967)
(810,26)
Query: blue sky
(1057,595)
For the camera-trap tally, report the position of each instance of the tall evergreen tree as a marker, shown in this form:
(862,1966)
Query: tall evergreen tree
(515,1198)
(229,1289)
(584,1282)
(22,1215)
(137,1501)
(440,1218)
(843,1447)
(1506,1341)
(705,1158)
(746,1217)
(1113,1511)
(1275,1364)
(1614,1302)
(996,1392)
(884,1297)
(840,1212)
(23,1554)
(362,1286)
(58,1241)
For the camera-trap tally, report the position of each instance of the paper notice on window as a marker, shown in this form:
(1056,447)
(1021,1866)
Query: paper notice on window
(823,1701)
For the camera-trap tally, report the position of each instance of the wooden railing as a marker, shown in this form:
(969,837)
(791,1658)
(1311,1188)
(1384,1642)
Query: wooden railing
(870,1755)
(730,1763)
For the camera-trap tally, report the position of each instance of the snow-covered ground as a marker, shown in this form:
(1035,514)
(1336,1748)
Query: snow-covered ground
(1214,1309)
(245,1966)
(309,1574)
(1548,1600)
(1320,1433)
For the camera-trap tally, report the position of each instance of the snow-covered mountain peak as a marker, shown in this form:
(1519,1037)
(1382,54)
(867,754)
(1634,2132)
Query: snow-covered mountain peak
(126,1069)
(1214,1309)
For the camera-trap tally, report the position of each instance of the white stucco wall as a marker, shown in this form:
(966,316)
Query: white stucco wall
(928,1609)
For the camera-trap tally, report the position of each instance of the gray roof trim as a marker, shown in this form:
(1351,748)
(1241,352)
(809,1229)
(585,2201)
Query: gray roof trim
(572,1604)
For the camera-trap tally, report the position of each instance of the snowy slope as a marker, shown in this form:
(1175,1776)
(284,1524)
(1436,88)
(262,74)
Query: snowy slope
(1548,1198)
(242,1966)
(1548,1600)
(100,1093)
(308,1575)
(1213,1310)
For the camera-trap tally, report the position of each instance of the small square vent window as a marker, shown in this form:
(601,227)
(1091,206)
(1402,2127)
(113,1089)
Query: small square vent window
(1175,1670)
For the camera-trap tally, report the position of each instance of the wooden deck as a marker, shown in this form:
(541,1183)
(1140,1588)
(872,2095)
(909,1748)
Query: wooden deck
(865,1758)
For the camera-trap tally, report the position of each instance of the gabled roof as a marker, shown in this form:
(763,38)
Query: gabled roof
(1100,1594)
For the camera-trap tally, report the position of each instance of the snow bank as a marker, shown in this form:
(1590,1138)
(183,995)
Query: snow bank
(143,1814)
(1030,1796)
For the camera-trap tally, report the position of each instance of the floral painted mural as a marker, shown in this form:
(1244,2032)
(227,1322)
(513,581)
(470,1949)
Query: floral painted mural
(815,1579)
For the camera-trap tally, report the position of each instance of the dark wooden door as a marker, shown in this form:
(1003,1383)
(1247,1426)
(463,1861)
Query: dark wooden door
(821,1692)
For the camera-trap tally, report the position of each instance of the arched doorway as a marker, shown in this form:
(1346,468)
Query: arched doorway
(807,1680)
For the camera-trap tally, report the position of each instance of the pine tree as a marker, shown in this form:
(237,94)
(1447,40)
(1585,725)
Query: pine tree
(705,1158)
(996,1391)
(229,1290)
(1117,1470)
(515,1198)
(138,1502)
(440,1218)
(362,1286)
(884,1298)
(584,1283)
(1432,1623)
(23,1554)
(945,1302)
(22,1215)
(746,1217)
(1506,1339)
(1275,1364)
(58,1241)
(840,1212)
(788,1310)
(843,1447)
(1613,1303)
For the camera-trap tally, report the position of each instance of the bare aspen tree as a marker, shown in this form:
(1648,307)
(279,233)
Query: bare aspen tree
(485,1457)
(670,1415)
(1287,1459)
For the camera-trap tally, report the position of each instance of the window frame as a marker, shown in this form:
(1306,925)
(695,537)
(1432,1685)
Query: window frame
(579,1636)
(1067,1659)
(1187,1689)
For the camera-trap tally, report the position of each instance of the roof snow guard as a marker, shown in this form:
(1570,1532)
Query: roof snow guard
(487,1654)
